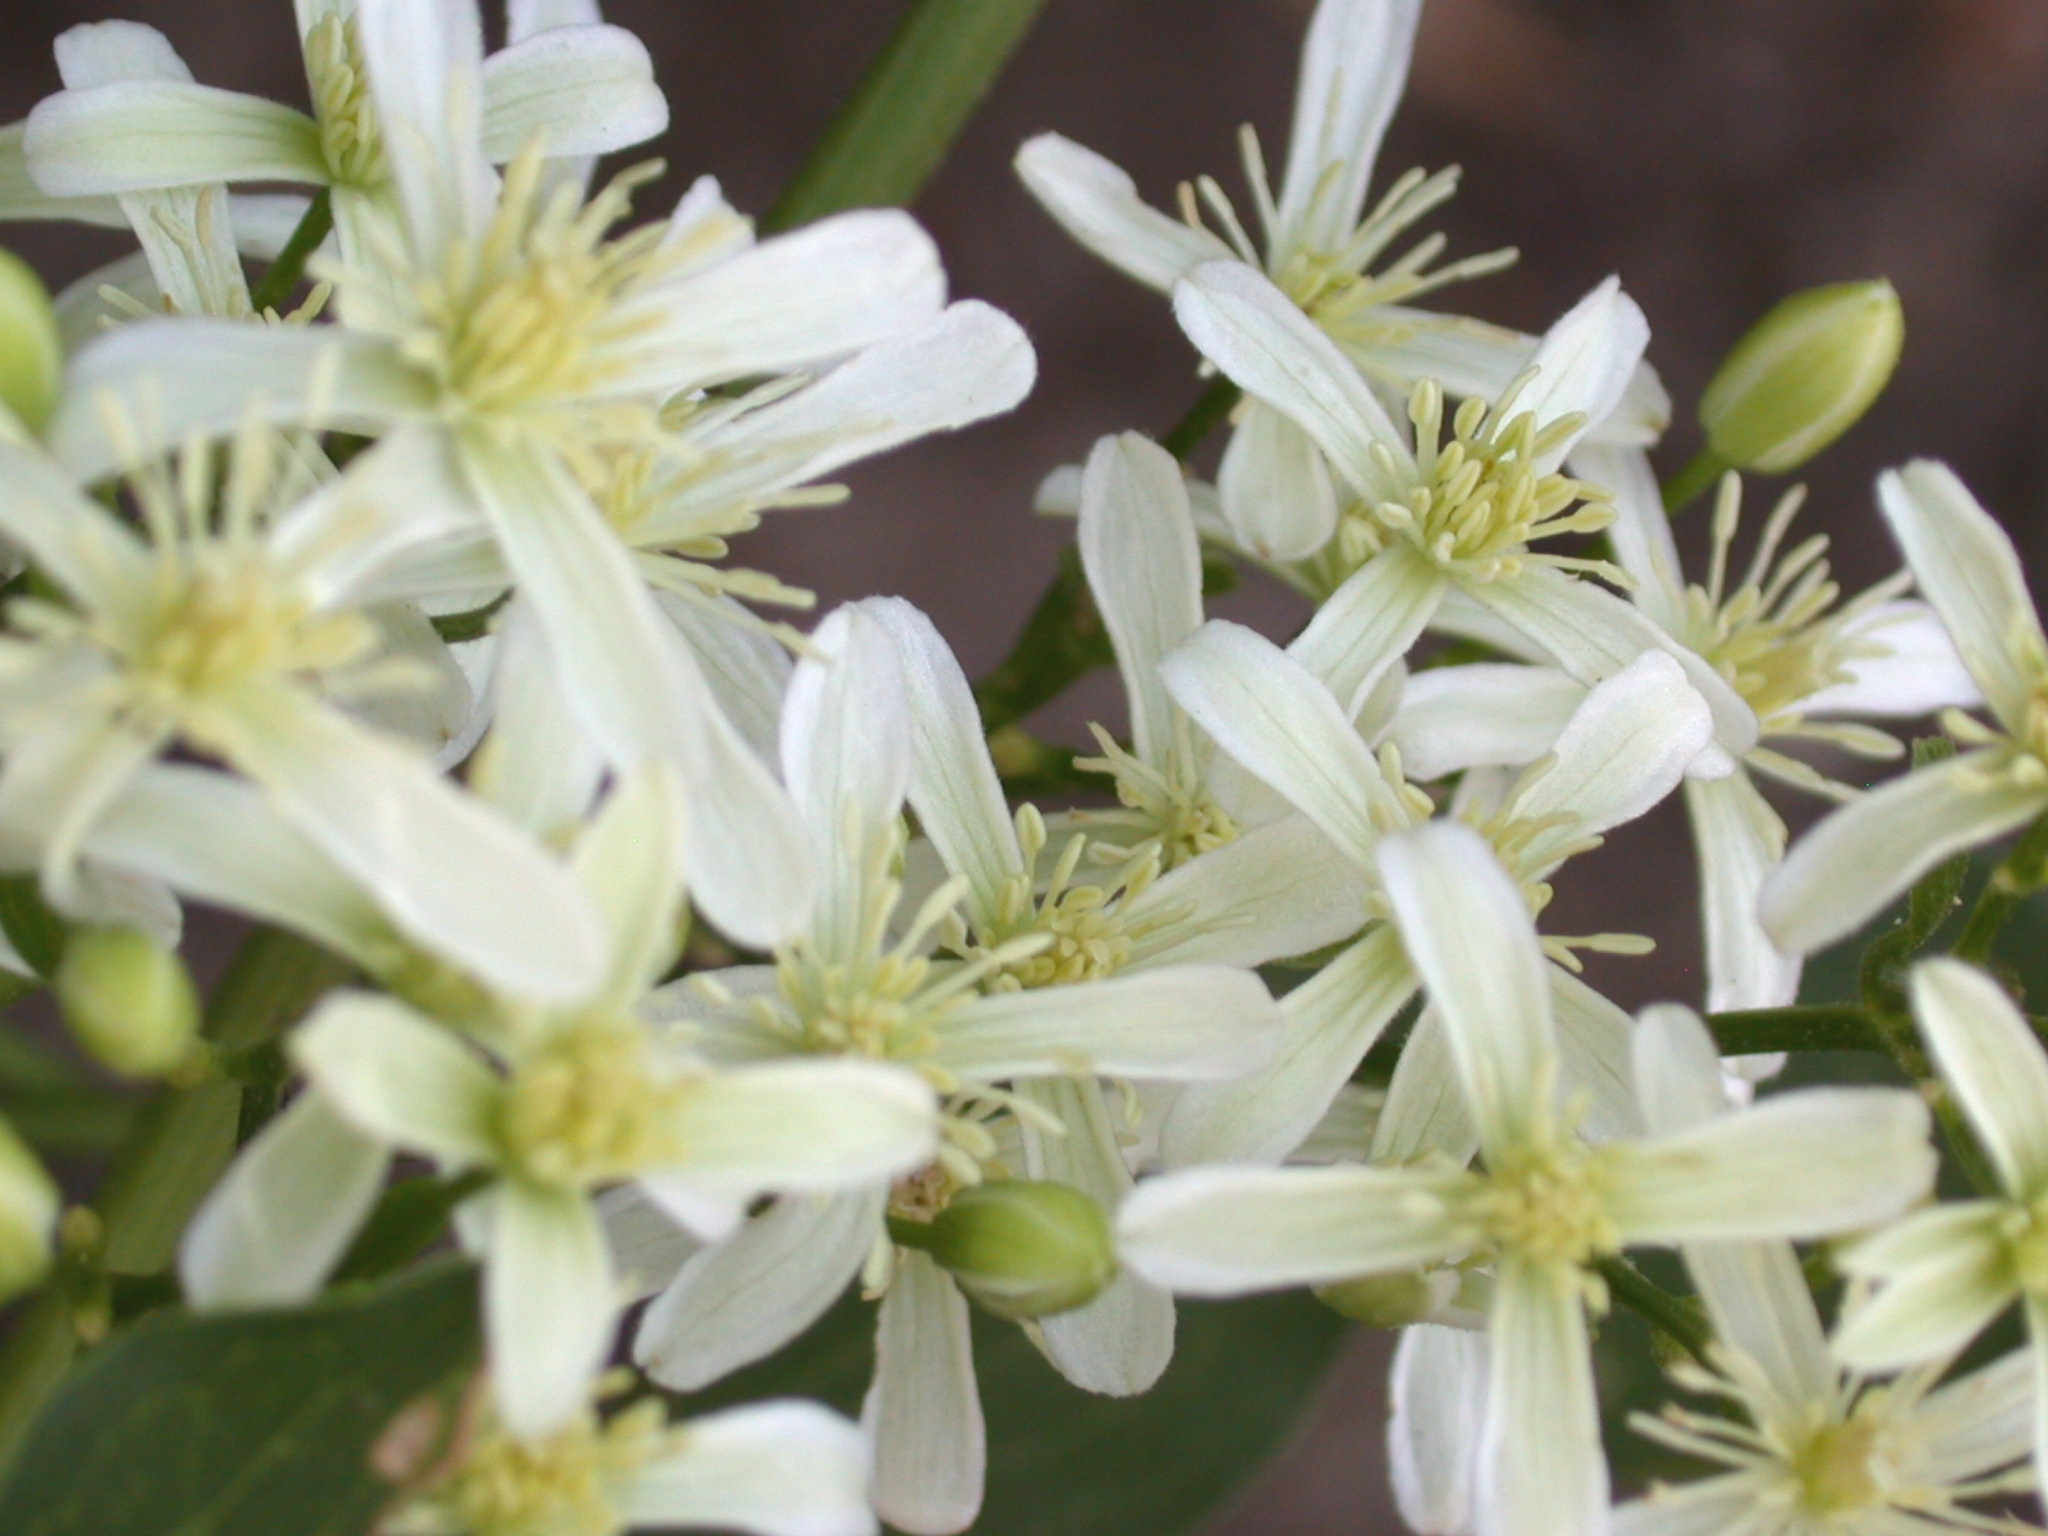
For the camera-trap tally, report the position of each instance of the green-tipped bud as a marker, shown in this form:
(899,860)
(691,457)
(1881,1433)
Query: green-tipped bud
(1804,375)
(129,1000)
(31,355)
(28,1216)
(1391,1301)
(1022,1248)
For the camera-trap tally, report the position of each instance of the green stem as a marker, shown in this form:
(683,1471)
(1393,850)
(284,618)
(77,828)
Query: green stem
(1203,417)
(1808,1027)
(1673,1316)
(908,108)
(1707,467)
(37,1355)
(2023,872)
(283,274)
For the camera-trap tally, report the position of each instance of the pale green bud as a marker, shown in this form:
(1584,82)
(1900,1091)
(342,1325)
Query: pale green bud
(1391,1301)
(129,1000)
(1022,1248)
(1803,375)
(28,1216)
(31,356)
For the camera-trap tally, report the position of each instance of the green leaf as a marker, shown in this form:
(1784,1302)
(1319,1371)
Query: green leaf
(1063,1462)
(250,1424)
(36,932)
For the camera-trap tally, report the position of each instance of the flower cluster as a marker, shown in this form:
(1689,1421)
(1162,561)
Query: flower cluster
(712,965)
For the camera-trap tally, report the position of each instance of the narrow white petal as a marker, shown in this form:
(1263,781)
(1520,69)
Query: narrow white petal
(1676,1069)
(1275,487)
(805,1125)
(1713,1506)
(21,199)
(629,862)
(1930,1309)
(1992,1059)
(423,60)
(1593,1040)
(1354,63)
(1470,938)
(1439,1392)
(769,1469)
(1225,1231)
(1329,1022)
(924,1410)
(1542,1471)
(1119,1343)
(1641,530)
(648,1246)
(1360,634)
(550,1304)
(1585,362)
(1967,568)
(538,766)
(1488,715)
(1850,867)
(578,90)
(1095,202)
(284,1213)
(74,540)
(1739,840)
(100,51)
(400,1079)
(1979,1423)
(1183,1023)
(743,1299)
(524,18)
(142,135)
(1144,567)
(1426,1110)
(748,671)
(1757,1299)
(1265,344)
(1862,1156)
(1918,672)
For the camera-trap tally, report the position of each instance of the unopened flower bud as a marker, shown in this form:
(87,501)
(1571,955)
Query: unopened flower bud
(1391,1301)
(31,355)
(28,1216)
(129,1000)
(1803,375)
(1024,1248)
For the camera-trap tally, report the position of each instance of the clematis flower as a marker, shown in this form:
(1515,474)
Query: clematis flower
(1545,1205)
(1327,255)
(1856,861)
(1013,1064)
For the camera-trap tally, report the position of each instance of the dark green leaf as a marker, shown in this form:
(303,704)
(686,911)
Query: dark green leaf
(255,1424)
(36,932)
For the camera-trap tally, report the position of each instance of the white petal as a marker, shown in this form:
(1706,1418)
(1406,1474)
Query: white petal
(748,671)
(1329,1022)
(1677,1070)
(1488,715)
(1354,63)
(1930,1308)
(1274,718)
(72,538)
(1096,203)
(1256,335)
(578,90)
(550,1304)
(284,1213)
(629,861)
(1470,938)
(1918,673)
(953,786)
(1758,1301)
(1713,1506)
(1593,1038)
(796,301)
(1425,1111)
(745,1298)
(805,1125)
(1542,1471)
(1438,1390)
(100,51)
(1144,567)
(537,766)
(22,199)
(771,1469)
(931,1448)
(1641,530)
(1967,568)
(1584,363)
(138,135)
(398,1078)
(1992,1059)
(648,1246)
(1183,1023)
(423,61)
(1862,1156)
(1224,1231)
(1357,637)
(1119,1343)
(447,870)
(1739,840)
(1275,487)
(1847,870)
(1981,1422)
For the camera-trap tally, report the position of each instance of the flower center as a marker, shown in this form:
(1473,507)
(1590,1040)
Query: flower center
(349,139)
(1081,928)
(1545,1206)
(1838,1468)
(559,1486)
(592,1105)
(229,622)
(1177,819)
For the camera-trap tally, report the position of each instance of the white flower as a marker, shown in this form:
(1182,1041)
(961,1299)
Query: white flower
(1324,253)
(1814,1451)
(1623,750)
(553,1102)
(1547,1207)
(1850,866)
(779,1468)
(857,734)
(1946,1272)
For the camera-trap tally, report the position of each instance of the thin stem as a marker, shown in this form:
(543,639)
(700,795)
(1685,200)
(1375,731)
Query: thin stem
(2023,872)
(1808,1027)
(1707,467)
(283,274)
(1673,1316)
(908,108)
(1203,417)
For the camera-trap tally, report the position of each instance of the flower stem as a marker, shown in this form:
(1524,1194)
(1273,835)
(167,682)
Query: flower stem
(283,274)
(1203,417)
(1805,1027)
(1706,467)
(1676,1317)
(2024,871)
(908,108)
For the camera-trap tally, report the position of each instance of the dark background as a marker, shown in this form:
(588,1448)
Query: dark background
(1717,156)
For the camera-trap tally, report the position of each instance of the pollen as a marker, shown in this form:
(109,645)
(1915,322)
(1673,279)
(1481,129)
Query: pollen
(591,1105)
(567,1484)
(1081,930)
(1175,818)
(1545,1205)
(349,140)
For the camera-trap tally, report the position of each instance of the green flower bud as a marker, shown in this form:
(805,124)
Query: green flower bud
(28,1216)
(1022,1248)
(31,356)
(1391,1301)
(130,1001)
(1803,375)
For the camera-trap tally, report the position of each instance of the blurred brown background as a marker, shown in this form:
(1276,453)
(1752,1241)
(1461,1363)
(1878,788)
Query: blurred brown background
(1717,156)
